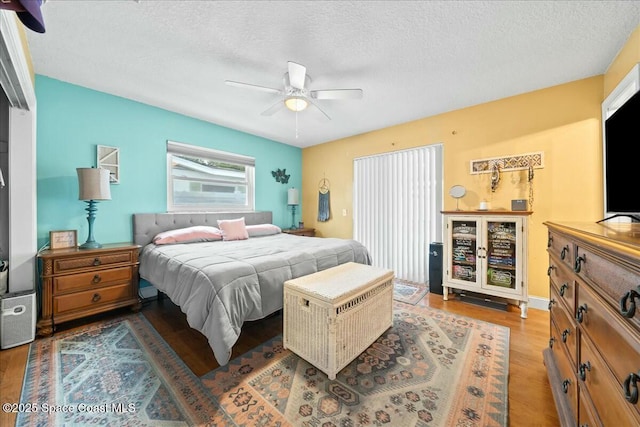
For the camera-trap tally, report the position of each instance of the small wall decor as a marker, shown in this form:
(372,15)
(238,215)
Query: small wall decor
(508,163)
(280,175)
(324,210)
(495,176)
(109,158)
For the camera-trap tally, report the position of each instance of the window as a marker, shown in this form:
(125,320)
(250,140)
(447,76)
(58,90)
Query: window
(204,179)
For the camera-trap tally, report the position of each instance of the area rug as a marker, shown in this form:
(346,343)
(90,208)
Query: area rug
(113,373)
(431,368)
(409,292)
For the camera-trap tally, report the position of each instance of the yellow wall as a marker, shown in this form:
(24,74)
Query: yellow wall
(563,121)
(628,56)
(25,47)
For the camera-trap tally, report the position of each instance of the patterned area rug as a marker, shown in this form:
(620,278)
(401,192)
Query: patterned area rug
(114,373)
(431,368)
(409,292)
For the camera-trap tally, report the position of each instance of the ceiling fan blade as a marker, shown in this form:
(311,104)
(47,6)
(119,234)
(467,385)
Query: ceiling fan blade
(250,86)
(297,75)
(337,94)
(273,109)
(319,109)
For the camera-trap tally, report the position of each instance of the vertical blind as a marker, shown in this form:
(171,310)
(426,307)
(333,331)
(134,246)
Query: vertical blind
(397,200)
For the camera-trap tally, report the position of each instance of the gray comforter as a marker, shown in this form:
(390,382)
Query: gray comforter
(219,285)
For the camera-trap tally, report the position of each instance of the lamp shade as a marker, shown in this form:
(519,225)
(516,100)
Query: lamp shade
(292,196)
(93,184)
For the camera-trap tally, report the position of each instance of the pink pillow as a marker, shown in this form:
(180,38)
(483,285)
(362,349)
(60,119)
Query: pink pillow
(262,230)
(233,229)
(198,233)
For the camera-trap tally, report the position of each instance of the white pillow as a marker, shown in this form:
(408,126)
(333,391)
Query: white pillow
(233,229)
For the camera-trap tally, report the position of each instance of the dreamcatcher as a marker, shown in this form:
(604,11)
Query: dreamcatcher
(324,211)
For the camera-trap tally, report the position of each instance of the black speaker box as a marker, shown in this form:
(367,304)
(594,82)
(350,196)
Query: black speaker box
(435,268)
(17,318)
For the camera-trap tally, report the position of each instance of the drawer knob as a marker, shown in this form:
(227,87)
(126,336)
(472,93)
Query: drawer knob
(551,303)
(563,253)
(583,370)
(581,310)
(96,279)
(631,388)
(563,289)
(97,261)
(578,265)
(550,269)
(550,241)
(630,296)
(96,297)
(565,385)
(551,341)
(565,334)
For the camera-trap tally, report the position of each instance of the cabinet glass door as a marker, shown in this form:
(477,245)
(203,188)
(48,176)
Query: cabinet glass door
(464,241)
(502,255)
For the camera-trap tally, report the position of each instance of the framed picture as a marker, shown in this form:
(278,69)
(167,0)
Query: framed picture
(61,239)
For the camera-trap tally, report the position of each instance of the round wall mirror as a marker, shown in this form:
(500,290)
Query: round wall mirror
(457,192)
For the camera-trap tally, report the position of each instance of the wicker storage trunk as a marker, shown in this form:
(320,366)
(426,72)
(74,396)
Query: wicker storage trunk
(332,316)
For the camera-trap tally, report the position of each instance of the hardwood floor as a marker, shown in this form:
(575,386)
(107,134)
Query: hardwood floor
(530,399)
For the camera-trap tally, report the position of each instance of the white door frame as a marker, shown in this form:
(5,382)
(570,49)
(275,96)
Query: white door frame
(22,157)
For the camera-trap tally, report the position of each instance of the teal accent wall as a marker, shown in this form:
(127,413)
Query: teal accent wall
(72,121)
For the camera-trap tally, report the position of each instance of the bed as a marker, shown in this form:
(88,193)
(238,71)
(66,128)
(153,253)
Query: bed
(221,284)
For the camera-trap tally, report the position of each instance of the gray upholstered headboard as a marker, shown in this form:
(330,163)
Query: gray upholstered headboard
(147,225)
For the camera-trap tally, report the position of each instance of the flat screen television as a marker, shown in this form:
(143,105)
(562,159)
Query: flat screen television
(621,164)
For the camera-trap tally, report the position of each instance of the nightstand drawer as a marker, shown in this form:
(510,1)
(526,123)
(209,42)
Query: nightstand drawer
(68,265)
(82,300)
(89,280)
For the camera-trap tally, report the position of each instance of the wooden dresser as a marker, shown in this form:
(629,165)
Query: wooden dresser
(593,358)
(81,282)
(309,232)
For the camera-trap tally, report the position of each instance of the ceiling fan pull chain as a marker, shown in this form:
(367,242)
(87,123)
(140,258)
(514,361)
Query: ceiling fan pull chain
(296,125)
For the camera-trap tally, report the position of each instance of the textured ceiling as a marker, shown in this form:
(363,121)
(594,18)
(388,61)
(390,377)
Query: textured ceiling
(412,59)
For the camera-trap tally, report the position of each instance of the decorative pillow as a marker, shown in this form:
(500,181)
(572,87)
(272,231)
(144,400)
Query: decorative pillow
(233,229)
(197,233)
(262,230)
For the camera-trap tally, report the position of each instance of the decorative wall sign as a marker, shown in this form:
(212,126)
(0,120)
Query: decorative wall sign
(280,175)
(509,163)
(60,239)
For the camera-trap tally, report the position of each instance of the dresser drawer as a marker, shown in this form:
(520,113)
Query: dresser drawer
(568,383)
(619,344)
(561,248)
(85,299)
(606,394)
(562,279)
(611,279)
(587,416)
(566,327)
(71,264)
(95,279)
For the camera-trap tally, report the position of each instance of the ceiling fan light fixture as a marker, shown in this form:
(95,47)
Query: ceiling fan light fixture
(296,103)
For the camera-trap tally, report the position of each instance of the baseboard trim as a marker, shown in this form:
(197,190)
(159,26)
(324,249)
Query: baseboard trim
(539,303)
(148,292)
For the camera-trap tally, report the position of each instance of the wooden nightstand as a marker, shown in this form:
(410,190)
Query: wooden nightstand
(309,232)
(81,282)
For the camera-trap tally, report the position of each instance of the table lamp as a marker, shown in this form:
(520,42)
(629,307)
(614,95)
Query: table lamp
(293,201)
(93,186)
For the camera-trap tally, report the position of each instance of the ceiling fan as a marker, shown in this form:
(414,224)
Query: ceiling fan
(295,94)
